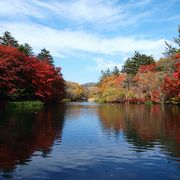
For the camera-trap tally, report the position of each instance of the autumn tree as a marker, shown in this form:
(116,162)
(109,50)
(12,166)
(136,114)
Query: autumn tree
(45,55)
(93,91)
(75,91)
(108,72)
(25,77)
(47,81)
(167,65)
(132,64)
(111,88)
(149,81)
(171,85)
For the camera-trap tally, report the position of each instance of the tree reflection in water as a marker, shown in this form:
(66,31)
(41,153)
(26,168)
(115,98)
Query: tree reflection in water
(144,126)
(24,133)
(146,143)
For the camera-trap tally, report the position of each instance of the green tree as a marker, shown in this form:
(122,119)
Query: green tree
(169,50)
(177,40)
(26,49)
(132,64)
(104,74)
(115,71)
(8,40)
(45,55)
(167,65)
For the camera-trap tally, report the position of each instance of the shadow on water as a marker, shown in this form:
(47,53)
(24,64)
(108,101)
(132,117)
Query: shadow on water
(22,133)
(144,126)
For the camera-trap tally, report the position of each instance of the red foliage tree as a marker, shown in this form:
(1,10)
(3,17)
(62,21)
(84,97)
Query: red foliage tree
(47,80)
(23,76)
(171,85)
(147,68)
(177,56)
(149,82)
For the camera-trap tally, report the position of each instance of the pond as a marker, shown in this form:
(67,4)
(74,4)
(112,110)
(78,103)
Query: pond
(92,141)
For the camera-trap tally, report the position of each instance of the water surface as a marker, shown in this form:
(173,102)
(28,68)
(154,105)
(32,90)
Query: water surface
(93,141)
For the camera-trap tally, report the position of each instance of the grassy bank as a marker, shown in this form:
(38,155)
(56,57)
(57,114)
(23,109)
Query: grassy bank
(66,100)
(26,105)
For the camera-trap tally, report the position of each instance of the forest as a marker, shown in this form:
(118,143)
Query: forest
(142,79)
(25,76)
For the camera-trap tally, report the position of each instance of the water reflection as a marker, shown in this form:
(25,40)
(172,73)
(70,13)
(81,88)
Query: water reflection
(23,133)
(93,141)
(144,126)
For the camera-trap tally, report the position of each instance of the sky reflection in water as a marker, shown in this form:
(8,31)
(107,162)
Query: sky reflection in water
(87,140)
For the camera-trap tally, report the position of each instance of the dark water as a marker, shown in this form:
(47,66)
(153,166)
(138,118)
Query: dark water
(85,140)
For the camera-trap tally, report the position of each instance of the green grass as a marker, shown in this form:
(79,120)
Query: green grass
(149,102)
(66,100)
(26,105)
(100,100)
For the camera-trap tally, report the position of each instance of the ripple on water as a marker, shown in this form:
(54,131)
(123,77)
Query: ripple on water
(90,141)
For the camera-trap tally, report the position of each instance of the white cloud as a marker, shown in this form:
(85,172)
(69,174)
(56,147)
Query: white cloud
(99,12)
(108,19)
(88,10)
(19,8)
(103,64)
(102,14)
(63,42)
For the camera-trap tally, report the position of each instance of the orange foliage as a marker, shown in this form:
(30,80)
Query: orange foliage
(113,81)
(147,68)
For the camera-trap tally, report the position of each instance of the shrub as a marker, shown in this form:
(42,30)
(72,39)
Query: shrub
(148,102)
(26,105)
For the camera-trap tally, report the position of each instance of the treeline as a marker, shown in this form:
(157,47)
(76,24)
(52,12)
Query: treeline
(75,91)
(26,76)
(142,79)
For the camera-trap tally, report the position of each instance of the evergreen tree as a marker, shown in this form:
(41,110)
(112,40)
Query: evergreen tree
(132,64)
(115,71)
(169,50)
(8,40)
(108,72)
(105,74)
(177,40)
(45,55)
(27,49)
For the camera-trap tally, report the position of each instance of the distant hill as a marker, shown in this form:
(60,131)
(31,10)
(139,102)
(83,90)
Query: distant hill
(89,84)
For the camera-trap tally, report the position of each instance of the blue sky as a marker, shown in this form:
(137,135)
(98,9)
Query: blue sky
(87,36)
